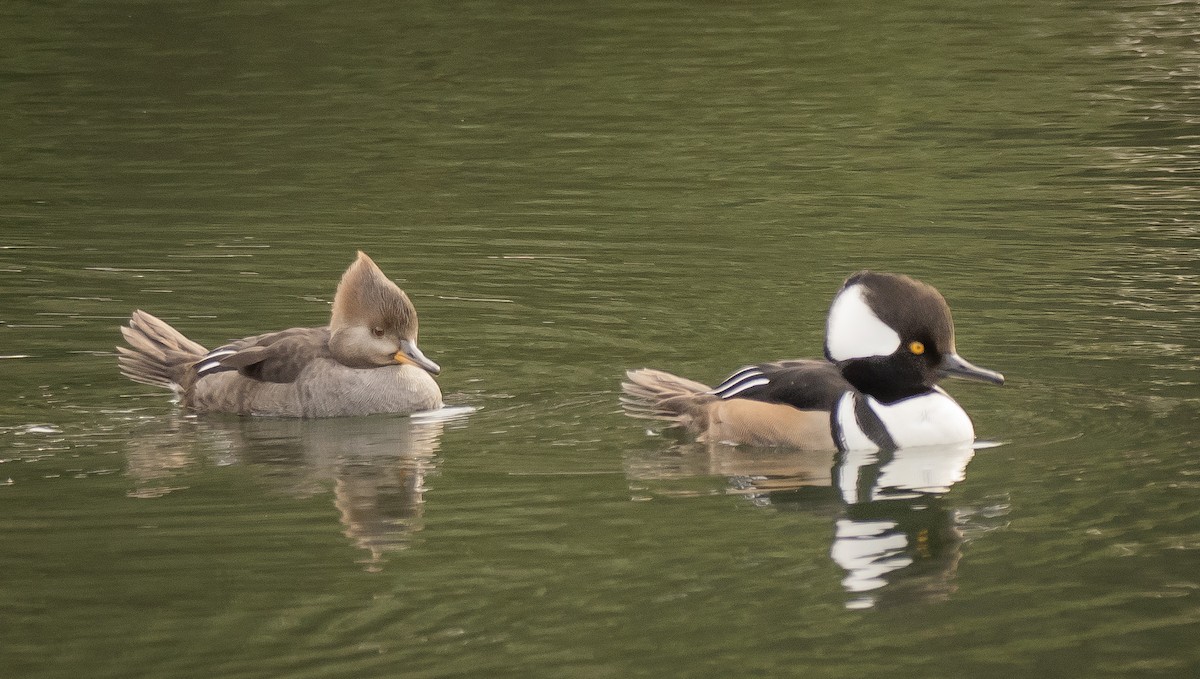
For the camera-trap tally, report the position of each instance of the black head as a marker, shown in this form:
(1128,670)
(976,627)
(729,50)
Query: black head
(893,337)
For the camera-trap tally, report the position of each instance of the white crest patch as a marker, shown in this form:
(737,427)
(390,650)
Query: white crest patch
(854,331)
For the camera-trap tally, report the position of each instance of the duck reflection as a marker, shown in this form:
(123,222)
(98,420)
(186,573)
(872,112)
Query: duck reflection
(377,467)
(894,534)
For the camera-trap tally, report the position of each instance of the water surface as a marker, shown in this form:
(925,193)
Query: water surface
(567,191)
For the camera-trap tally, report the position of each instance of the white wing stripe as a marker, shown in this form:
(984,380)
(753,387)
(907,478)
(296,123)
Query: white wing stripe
(212,361)
(748,384)
(741,374)
(206,366)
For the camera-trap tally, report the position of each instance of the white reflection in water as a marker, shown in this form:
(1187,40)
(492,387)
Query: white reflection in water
(905,473)
(893,533)
(868,550)
(895,520)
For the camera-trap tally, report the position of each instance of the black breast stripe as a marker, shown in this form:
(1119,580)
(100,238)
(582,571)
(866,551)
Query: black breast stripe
(868,422)
(871,425)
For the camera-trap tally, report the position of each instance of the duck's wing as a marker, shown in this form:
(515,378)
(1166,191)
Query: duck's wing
(802,384)
(272,357)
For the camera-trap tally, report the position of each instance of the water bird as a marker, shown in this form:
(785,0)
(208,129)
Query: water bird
(889,339)
(366,361)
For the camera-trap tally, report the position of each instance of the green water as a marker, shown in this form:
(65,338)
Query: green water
(568,190)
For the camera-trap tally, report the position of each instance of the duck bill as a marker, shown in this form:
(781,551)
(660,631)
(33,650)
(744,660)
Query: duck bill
(411,355)
(953,365)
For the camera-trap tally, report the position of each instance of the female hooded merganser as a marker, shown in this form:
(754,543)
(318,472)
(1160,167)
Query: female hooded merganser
(888,340)
(366,361)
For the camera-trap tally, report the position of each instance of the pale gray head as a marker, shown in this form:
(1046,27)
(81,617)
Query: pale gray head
(893,336)
(373,322)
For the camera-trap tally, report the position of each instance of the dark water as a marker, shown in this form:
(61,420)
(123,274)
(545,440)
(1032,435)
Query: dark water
(568,190)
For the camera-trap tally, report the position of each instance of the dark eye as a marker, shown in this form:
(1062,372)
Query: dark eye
(378,332)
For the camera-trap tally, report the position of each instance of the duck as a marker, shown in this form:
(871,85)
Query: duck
(366,361)
(889,340)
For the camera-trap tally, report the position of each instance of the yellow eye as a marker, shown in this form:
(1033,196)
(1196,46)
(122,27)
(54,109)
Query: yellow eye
(917,348)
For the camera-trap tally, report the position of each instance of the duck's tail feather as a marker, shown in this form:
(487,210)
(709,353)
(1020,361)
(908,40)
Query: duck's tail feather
(656,395)
(158,354)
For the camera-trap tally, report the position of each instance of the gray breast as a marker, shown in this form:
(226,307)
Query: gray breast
(325,388)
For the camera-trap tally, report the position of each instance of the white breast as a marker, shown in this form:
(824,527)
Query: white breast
(932,419)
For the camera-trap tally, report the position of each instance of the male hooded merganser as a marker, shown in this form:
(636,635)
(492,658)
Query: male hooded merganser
(366,361)
(888,340)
